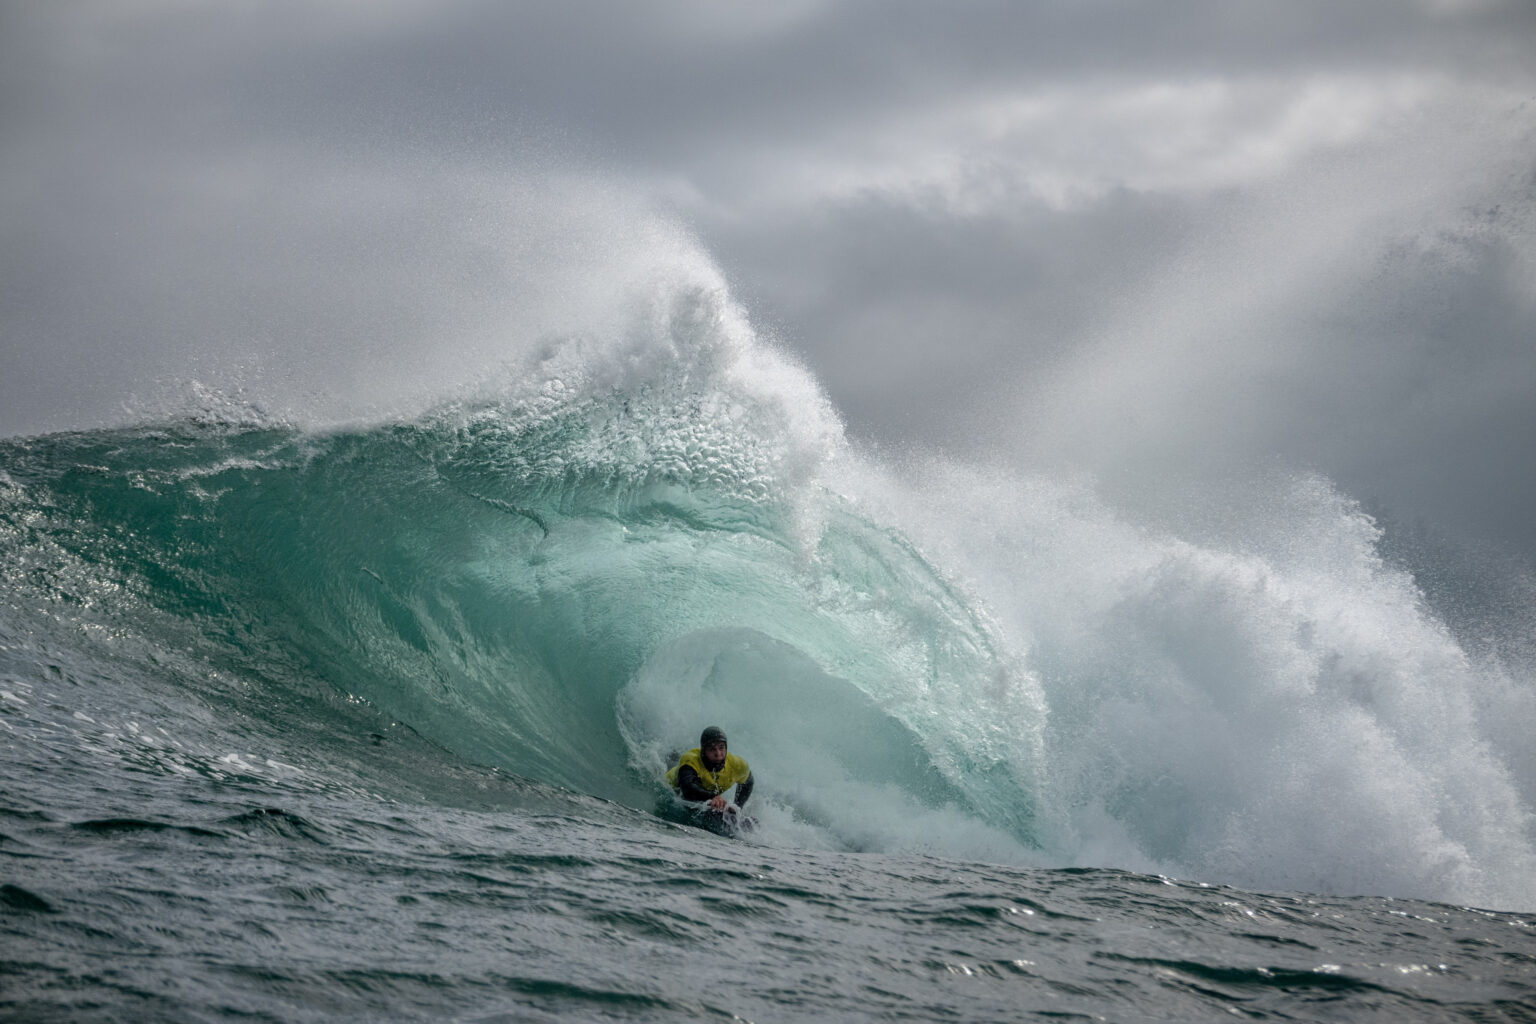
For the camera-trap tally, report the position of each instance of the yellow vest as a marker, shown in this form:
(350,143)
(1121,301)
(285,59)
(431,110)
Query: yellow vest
(733,771)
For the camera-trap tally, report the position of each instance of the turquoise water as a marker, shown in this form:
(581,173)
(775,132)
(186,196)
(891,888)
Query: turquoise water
(367,720)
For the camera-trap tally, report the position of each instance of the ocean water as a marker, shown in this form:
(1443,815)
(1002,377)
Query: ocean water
(366,721)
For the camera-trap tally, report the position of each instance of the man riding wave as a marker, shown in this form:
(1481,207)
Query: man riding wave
(705,773)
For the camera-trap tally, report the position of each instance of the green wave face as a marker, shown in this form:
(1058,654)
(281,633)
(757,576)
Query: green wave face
(566,583)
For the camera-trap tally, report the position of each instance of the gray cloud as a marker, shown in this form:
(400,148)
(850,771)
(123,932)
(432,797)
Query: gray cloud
(1154,241)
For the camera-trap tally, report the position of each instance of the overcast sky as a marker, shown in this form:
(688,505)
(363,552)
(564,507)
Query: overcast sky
(1167,239)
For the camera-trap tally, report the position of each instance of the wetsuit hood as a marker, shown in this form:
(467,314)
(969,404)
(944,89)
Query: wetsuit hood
(711,734)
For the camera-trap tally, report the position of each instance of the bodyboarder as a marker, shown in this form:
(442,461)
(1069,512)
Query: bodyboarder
(704,774)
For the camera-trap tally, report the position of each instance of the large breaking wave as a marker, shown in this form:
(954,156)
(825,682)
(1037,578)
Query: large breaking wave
(635,532)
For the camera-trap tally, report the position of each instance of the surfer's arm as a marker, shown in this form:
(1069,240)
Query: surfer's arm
(743,790)
(689,787)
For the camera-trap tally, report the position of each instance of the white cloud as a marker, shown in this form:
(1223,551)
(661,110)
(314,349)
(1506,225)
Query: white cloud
(1041,207)
(1069,144)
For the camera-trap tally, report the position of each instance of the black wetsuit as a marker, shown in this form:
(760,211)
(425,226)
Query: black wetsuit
(689,787)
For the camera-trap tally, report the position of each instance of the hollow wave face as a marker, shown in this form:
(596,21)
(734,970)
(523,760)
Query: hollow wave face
(635,532)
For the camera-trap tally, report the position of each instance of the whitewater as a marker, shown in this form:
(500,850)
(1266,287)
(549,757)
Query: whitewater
(367,719)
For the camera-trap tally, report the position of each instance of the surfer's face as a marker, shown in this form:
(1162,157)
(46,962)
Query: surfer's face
(714,754)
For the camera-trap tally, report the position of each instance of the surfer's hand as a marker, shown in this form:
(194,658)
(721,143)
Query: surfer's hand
(717,803)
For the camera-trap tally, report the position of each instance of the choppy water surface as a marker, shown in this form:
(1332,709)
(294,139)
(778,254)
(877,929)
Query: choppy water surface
(222,904)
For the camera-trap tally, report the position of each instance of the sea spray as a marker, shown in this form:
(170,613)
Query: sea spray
(1269,702)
